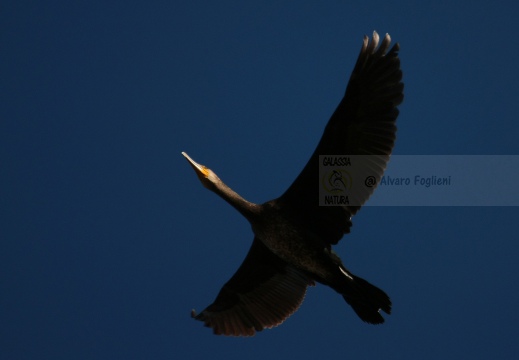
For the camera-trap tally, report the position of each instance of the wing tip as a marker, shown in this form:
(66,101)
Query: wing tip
(373,44)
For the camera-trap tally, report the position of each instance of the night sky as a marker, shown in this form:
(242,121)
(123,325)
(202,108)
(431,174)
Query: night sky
(108,239)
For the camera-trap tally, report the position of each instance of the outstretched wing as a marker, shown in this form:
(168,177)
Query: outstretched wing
(362,124)
(261,294)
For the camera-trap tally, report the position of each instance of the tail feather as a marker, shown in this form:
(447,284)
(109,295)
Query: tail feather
(367,300)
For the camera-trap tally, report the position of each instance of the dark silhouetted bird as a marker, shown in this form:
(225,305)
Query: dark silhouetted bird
(293,234)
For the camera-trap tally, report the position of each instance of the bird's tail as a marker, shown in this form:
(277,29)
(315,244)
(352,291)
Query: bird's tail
(366,300)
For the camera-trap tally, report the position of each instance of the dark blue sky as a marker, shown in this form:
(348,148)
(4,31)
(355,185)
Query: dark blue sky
(109,240)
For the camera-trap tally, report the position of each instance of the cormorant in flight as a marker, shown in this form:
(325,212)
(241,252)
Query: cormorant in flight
(293,235)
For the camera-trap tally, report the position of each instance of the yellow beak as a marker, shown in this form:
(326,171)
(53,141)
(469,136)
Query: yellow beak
(198,167)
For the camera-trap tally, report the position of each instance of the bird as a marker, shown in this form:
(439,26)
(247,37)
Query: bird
(293,235)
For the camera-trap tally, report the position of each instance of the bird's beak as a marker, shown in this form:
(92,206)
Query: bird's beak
(199,169)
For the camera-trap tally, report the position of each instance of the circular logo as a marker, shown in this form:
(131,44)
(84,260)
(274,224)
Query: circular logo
(337,181)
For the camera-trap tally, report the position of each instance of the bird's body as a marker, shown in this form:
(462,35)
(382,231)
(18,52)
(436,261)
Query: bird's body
(301,247)
(275,219)
(293,235)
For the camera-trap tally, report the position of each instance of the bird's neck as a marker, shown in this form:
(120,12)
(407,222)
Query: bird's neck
(246,208)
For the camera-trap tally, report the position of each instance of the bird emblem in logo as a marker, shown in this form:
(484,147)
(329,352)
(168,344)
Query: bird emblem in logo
(337,181)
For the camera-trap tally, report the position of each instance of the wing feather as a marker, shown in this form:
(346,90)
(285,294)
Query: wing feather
(261,294)
(362,124)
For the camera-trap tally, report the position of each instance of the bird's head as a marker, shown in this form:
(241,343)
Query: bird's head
(207,177)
